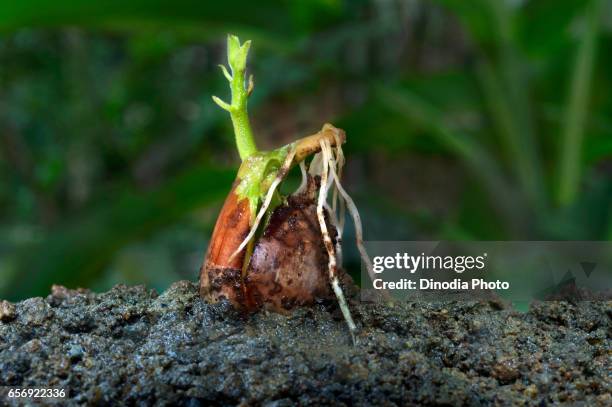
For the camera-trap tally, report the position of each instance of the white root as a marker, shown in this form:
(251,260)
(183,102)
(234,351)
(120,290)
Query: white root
(346,201)
(342,205)
(344,308)
(341,217)
(352,208)
(316,164)
(334,221)
(332,265)
(304,182)
(282,172)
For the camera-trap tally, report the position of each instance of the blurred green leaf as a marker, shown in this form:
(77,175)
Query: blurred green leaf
(419,112)
(274,15)
(597,147)
(543,25)
(519,149)
(577,108)
(73,253)
(120,94)
(476,16)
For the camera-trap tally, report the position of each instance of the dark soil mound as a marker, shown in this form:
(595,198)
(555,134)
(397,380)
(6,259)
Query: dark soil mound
(131,346)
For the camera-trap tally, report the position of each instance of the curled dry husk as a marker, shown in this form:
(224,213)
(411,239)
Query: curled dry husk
(293,259)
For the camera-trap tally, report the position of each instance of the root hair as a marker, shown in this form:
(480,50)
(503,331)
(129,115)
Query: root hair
(342,206)
(304,182)
(329,246)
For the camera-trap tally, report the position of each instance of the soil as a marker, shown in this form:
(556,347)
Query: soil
(133,346)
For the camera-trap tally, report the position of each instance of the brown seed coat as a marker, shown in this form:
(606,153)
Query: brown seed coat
(288,266)
(221,275)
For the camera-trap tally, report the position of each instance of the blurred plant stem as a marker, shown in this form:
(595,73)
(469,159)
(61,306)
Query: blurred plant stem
(577,105)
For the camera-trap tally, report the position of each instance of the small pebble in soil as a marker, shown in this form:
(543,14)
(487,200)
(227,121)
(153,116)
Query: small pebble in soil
(7,311)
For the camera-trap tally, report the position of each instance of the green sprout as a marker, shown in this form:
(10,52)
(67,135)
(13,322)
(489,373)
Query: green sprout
(236,59)
(259,168)
(225,272)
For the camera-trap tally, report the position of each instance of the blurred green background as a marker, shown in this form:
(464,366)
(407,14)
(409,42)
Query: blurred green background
(466,120)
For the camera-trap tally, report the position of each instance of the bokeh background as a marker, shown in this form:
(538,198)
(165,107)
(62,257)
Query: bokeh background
(466,120)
